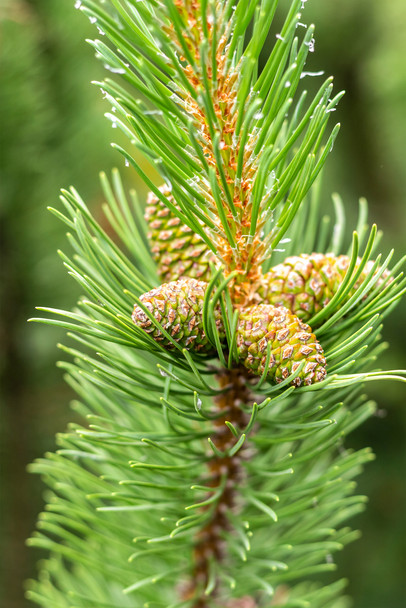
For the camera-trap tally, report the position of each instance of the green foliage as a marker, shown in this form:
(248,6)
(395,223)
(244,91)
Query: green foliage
(138,471)
(133,475)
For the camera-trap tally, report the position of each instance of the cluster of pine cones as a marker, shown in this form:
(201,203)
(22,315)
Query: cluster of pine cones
(273,333)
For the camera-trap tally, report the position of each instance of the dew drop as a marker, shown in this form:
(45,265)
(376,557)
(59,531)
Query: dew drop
(304,74)
(114,70)
(311,44)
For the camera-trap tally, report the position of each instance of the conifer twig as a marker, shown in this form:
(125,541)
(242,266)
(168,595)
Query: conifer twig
(216,387)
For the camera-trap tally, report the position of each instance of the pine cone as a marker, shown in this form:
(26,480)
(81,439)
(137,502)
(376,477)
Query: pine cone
(178,307)
(291,343)
(305,284)
(176,249)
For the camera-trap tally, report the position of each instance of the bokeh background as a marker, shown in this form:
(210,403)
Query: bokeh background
(53,134)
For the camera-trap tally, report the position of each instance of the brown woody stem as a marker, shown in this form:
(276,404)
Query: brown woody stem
(222,470)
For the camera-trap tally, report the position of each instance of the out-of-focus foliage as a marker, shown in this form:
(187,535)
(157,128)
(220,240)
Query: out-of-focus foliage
(363,44)
(52,133)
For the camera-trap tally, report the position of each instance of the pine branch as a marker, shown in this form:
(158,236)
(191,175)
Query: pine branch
(215,440)
(162,413)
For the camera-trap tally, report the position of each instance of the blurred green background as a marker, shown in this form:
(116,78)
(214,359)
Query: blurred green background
(53,133)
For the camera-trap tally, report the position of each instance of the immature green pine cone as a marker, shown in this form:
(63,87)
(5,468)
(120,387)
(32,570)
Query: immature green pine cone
(306,283)
(178,307)
(291,343)
(177,250)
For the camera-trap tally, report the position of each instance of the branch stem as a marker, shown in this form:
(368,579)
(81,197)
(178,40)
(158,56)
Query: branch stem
(224,470)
